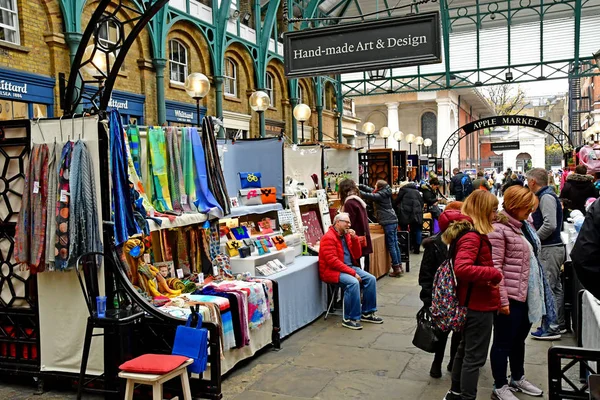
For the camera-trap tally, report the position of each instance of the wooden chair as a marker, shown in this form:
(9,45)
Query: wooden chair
(156,381)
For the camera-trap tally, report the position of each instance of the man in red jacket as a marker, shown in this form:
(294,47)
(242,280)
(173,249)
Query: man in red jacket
(338,252)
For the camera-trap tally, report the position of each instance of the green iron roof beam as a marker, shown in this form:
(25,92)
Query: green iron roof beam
(577,35)
(359,9)
(309,12)
(387,8)
(446,35)
(263,31)
(338,5)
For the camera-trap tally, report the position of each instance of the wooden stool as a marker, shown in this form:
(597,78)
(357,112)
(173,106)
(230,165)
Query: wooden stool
(156,381)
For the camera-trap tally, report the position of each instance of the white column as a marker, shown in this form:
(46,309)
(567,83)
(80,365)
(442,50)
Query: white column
(393,123)
(445,127)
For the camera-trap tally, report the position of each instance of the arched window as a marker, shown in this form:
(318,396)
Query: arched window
(178,61)
(429,130)
(230,78)
(270,88)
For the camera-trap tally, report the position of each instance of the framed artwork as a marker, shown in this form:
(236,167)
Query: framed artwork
(234,202)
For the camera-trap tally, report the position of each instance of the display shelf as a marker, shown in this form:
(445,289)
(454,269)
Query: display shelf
(249,264)
(179,221)
(249,210)
(305,202)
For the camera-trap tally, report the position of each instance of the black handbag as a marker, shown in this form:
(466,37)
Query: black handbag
(427,335)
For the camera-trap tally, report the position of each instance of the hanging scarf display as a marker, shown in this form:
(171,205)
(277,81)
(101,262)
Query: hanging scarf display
(31,225)
(135,179)
(215,178)
(61,253)
(125,225)
(53,161)
(84,234)
(205,201)
(189,170)
(176,182)
(134,143)
(157,162)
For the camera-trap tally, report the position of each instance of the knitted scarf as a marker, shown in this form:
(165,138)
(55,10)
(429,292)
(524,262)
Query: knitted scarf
(133,136)
(84,233)
(176,181)
(216,180)
(61,256)
(53,161)
(31,225)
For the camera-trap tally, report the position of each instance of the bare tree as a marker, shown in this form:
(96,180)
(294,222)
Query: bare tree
(506,99)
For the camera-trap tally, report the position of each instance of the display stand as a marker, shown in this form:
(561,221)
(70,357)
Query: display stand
(375,164)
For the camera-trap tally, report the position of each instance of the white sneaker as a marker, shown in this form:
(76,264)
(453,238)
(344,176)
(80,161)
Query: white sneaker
(504,393)
(526,387)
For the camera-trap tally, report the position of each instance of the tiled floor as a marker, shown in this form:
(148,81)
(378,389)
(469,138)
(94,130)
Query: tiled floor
(326,361)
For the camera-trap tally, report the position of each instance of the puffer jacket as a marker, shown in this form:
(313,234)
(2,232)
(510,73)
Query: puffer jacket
(436,252)
(331,256)
(473,265)
(510,253)
(577,189)
(429,195)
(586,251)
(383,203)
(409,205)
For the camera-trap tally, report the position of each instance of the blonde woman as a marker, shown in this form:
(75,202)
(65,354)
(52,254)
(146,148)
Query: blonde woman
(466,231)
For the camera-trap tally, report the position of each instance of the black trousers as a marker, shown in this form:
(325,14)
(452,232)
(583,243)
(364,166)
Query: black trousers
(454,342)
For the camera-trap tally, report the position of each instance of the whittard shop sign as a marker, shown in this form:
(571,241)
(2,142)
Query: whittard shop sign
(393,42)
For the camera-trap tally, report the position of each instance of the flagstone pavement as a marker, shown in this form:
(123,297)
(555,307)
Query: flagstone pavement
(326,361)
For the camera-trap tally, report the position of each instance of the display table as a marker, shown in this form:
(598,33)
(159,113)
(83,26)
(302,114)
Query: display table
(380,258)
(302,295)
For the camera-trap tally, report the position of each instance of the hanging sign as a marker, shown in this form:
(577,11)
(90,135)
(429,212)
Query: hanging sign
(26,87)
(183,113)
(373,45)
(505,120)
(501,146)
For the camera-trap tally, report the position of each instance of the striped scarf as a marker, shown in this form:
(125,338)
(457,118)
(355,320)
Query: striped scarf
(53,161)
(31,225)
(176,181)
(216,180)
(135,179)
(61,244)
(84,233)
(189,170)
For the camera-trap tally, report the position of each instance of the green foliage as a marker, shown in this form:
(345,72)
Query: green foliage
(506,99)
(554,155)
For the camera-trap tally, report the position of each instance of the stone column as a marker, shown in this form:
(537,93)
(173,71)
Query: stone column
(161,108)
(445,128)
(392,123)
(218,80)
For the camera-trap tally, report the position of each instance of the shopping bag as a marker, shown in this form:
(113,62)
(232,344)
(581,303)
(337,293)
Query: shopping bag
(192,343)
(427,334)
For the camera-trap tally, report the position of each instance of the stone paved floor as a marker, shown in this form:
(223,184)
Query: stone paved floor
(326,361)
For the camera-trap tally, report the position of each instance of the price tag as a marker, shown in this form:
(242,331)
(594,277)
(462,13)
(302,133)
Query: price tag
(179,273)
(184,199)
(36,187)
(147,258)
(200,278)
(63,195)
(151,213)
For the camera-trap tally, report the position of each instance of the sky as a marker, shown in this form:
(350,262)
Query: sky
(544,88)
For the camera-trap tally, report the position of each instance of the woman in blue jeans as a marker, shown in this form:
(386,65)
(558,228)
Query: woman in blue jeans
(386,216)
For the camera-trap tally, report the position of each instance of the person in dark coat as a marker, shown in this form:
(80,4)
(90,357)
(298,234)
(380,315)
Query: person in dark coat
(357,210)
(409,204)
(586,251)
(456,186)
(579,187)
(434,254)
(431,191)
(386,216)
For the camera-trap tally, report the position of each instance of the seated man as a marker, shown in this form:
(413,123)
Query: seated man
(339,250)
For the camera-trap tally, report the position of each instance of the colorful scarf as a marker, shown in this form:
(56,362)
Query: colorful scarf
(189,170)
(31,225)
(61,255)
(125,225)
(205,201)
(176,180)
(157,162)
(135,179)
(133,137)
(84,233)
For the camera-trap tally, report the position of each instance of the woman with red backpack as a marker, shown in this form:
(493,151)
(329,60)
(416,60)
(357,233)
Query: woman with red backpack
(477,286)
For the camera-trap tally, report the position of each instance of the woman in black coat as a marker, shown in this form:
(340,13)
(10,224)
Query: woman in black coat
(434,254)
(409,206)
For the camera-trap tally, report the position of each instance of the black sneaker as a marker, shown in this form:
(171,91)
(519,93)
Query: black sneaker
(452,396)
(354,325)
(372,318)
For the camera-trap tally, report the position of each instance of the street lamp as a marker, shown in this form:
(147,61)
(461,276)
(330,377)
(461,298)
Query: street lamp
(427,142)
(302,113)
(197,87)
(419,142)
(259,102)
(398,136)
(385,133)
(410,139)
(368,129)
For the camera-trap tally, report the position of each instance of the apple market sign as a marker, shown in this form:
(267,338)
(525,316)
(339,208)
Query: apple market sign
(378,44)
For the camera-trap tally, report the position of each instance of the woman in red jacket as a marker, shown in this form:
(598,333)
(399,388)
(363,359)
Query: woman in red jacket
(477,287)
(357,210)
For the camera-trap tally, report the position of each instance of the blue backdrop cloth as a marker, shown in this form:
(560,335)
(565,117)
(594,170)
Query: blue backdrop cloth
(254,155)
